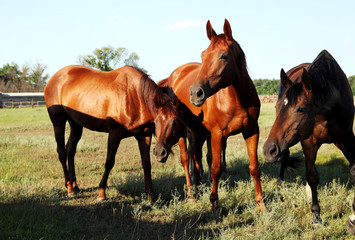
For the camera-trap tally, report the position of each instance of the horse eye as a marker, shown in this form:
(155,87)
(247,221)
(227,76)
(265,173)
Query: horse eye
(300,109)
(224,56)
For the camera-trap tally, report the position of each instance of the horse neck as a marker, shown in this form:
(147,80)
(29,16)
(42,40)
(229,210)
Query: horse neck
(154,98)
(244,86)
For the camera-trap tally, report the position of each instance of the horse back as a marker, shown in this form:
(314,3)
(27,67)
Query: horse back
(295,75)
(98,94)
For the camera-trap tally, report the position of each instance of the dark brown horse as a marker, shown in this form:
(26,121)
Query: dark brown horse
(223,102)
(317,107)
(124,102)
(288,162)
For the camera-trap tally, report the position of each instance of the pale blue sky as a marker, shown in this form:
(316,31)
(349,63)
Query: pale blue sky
(166,34)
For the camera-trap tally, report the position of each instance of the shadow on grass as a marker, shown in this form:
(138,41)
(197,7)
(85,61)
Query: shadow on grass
(334,169)
(108,220)
(56,217)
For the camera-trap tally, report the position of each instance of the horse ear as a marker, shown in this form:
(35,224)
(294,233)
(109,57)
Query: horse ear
(227,30)
(305,79)
(211,34)
(285,80)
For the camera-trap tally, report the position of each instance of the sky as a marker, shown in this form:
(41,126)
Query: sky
(166,34)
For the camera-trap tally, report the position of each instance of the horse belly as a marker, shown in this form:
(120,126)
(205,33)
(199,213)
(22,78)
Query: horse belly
(87,121)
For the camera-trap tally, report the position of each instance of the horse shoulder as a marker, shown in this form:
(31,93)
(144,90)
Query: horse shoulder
(181,80)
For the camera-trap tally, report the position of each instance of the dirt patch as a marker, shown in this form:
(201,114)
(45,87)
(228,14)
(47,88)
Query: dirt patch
(268,98)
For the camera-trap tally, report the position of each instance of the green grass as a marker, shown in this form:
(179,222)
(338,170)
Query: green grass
(33,202)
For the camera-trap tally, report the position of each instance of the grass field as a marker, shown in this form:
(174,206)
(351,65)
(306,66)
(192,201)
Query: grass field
(33,202)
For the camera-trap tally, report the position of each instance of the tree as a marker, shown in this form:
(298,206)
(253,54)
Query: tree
(37,78)
(109,58)
(16,79)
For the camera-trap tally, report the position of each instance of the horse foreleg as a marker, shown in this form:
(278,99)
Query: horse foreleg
(199,141)
(252,146)
(310,149)
(216,170)
(185,164)
(209,157)
(114,138)
(144,149)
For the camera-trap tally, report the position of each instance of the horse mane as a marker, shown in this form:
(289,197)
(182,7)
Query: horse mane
(243,82)
(152,95)
(327,81)
(326,77)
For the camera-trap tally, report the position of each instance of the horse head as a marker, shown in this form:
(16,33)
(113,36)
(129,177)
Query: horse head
(220,64)
(167,131)
(294,118)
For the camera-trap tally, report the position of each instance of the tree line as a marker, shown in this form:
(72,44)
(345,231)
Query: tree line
(14,78)
(271,87)
(33,78)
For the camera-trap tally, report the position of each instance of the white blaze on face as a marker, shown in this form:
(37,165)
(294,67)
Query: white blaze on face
(285,101)
(163,117)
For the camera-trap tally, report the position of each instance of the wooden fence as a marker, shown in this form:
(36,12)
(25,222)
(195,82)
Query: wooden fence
(17,100)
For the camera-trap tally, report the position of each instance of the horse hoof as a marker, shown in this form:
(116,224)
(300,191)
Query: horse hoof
(76,189)
(72,195)
(317,222)
(279,181)
(350,226)
(100,199)
(191,199)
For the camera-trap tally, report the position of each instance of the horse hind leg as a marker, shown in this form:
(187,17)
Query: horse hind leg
(59,119)
(347,146)
(76,131)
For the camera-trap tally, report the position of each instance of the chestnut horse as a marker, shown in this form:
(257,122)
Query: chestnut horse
(316,108)
(124,102)
(223,102)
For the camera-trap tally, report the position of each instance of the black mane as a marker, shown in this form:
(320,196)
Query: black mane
(328,83)
(327,79)
(153,96)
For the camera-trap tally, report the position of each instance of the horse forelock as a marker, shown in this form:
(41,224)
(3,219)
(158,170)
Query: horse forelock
(293,93)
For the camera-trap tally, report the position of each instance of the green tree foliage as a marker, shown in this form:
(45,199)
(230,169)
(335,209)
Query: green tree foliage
(266,86)
(352,83)
(23,79)
(109,58)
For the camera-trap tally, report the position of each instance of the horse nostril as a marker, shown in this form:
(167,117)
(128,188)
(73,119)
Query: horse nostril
(200,93)
(154,151)
(164,153)
(274,150)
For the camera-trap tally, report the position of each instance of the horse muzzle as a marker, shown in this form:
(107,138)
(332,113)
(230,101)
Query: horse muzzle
(161,154)
(272,152)
(198,94)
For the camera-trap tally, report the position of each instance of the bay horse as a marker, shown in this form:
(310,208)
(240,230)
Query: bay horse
(289,162)
(317,107)
(124,102)
(221,101)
